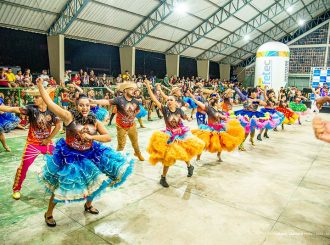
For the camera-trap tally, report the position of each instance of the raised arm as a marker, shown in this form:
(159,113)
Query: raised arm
(152,96)
(103,135)
(65,115)
(241,95)
(162,94)
(199,103)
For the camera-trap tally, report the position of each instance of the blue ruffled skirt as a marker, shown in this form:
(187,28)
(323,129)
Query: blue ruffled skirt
(192,104)
(73,175)
(8,122)
(100,113)
(143,112)
(275,115)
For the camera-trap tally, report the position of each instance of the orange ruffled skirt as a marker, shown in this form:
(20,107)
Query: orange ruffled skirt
(227,140)
(169,153)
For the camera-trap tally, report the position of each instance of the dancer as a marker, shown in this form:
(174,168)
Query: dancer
(276,116)
(249,116)
(191,103)
(40,135)
(138,96)
(314,107)
(174,143)
(298,107)
(226,104)
(203,97)
(218,135)
(157,92)
(127,109)
(81,168)
(8,122)
(290,116)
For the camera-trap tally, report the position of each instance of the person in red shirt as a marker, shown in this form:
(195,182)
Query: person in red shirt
(40,135)
(127,109)
(52,81)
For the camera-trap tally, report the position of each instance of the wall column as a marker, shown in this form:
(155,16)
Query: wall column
(56,56)
(172,64)
(203,69)
(127,59)
(224,71)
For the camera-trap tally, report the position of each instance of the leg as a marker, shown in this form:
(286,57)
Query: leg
(133,136)
(89,207)
(3,142)
(29,155)
(158,113)
(111,118)
(150,110)
(253,132)
(219,156)
(163,181)
(241,147)
(121,138)
(141,123)
(49,214)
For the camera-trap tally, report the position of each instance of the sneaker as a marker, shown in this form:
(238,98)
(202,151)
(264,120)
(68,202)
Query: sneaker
(16,195)
(190,171)
(163,182)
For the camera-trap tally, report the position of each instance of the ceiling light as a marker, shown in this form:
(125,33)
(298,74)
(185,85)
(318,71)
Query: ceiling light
(180,8)
(290,9)
(301,22)
(247,38)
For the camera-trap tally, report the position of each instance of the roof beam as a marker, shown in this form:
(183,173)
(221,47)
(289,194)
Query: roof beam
(67,15)
(159,14)
(211,22)
(247,28)
(313,7)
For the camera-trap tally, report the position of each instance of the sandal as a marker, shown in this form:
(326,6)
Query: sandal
(91,210)
(50,221)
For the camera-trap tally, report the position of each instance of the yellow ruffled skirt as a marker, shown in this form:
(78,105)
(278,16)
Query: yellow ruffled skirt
(169,153)
(227,140)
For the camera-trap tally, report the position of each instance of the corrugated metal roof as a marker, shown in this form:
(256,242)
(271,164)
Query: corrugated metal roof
(184,21)
(110,16)
(204,43)
(50,5)
(167,32)
(200,8)
(105,34)
(151,43)
(25,18)
(192,52)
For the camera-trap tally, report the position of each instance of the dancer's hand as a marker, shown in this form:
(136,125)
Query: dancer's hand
(46,141)
(147,83)
(321,129)
(39,81)
(86,136)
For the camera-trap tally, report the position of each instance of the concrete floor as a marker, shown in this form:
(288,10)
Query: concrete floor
(277,193)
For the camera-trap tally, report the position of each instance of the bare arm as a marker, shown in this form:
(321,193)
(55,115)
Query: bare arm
(9,109)
(101,102)
(61,113)
(162,94)
(152,96)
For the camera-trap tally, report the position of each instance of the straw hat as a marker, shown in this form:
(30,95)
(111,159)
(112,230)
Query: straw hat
(228,91)
(35,92)
(174,89)
(207,91)
(126,85)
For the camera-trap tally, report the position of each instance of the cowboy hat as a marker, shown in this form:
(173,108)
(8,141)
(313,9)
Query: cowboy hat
(35,92)
(126,85)
(174,89)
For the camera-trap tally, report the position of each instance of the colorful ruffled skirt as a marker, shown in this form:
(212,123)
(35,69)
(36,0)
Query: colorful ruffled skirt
(191,102)
(225,138)
(143,112)
(290,116)
(253,120)
(100,113)
(299,108)
(277,116)
(167,148)
(8,122)
(73,175)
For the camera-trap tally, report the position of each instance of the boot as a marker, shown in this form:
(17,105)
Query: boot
(111,117)
(163,182)
(190,171)
(259,137)
(149,115)
(139,156)
(266,135)
(141,123)
(282,126)
(158,114)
